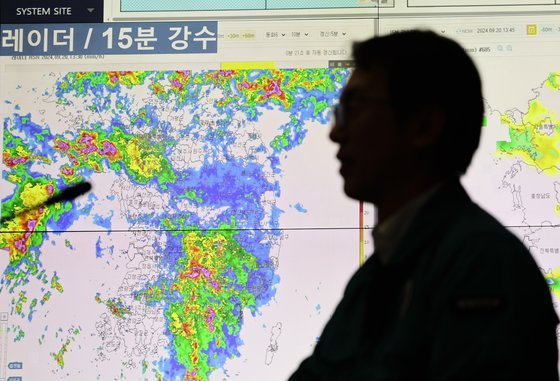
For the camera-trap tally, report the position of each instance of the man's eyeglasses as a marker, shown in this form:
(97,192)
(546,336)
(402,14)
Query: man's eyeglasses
(341,110)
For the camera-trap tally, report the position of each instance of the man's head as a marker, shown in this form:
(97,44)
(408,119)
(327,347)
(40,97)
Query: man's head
(412,107)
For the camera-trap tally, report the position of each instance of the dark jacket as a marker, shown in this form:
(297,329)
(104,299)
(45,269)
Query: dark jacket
(461,299)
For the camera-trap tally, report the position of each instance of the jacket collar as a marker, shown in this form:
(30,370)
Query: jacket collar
(430,221)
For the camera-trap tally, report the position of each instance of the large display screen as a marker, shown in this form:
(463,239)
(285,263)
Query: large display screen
(216,239)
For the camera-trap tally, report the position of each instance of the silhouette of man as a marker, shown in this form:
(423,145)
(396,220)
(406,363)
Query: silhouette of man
(449,293)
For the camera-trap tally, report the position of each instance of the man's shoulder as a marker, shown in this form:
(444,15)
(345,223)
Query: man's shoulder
(457,218)
(474,225)
(457,230)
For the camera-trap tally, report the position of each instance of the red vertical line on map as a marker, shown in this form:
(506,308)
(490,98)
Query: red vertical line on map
(362,258)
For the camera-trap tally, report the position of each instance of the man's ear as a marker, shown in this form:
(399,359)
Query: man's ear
(425,128)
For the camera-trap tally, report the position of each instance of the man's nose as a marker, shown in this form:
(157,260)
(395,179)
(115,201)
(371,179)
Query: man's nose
(336,133)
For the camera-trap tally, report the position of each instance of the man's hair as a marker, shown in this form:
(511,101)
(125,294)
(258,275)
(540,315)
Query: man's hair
(424,69)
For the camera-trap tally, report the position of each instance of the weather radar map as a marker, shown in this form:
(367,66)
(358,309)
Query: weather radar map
(516,175)
(216,239)
(154,273)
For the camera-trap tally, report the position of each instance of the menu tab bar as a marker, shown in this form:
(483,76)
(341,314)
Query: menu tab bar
(247,5)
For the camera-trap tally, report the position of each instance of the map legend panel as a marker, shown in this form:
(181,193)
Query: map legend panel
(3,345)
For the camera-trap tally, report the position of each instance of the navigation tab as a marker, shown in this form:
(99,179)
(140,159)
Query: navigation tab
(341,63)
(51,11)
